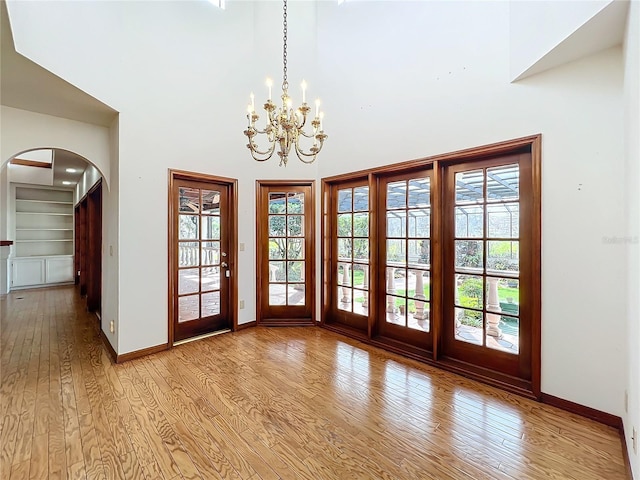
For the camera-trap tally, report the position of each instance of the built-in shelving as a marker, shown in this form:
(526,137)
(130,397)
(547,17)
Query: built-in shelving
(44,222)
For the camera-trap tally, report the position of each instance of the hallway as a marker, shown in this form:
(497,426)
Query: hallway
(264,403)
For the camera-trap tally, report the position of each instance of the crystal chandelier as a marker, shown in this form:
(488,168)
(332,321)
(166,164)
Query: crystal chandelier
(285,126)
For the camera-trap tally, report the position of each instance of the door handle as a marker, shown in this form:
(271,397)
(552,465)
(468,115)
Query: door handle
(224,265)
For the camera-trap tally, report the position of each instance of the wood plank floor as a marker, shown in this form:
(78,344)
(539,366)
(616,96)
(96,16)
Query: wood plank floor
(280,403)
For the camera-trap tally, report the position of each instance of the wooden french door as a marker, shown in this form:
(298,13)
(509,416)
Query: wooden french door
(404,259)
(487,263)
(285,253)
(201,262)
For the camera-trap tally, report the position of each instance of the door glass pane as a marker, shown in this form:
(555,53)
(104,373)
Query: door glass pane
(277,203)
(396,280)
(419,193)
(397,195)
(188,254)
(210,279)
(277,272)
(361,199)
(344,248)
(188,308)
(361,249)
(360,302)
(295,249)
(277,294)
(295,225)
(396,252)
(345,225)
(344,274)
(396,310)
(295,202)
(344,298)
(419,314)
(469,186)
(189,199)
(295,294)
(468,326)
(397,224)
(345,198)
(210,228)
(419,253)
(503,183)
(469,254)
(469,291)
(295,271)
(277,225)
(361,276)
(188,281)
(210,253)
(277,248)
(420,223)
(419,284)
(188,227)
(503,295)
(503,220)
(503,256)
(361,225)
(210,304)
(470,221)
(506,337)
(210,202)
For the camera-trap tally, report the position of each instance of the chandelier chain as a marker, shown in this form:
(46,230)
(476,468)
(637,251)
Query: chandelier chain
(285,82)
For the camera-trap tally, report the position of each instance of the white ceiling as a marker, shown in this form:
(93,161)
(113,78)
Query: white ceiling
(28,86)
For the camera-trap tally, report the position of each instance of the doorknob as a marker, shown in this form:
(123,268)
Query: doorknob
(224,265)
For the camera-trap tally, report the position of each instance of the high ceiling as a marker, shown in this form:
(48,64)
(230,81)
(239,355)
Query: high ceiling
(28,86)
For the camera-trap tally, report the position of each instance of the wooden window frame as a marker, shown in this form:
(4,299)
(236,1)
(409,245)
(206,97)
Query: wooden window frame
(531,144)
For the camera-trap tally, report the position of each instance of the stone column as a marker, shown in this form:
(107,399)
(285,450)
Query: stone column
(493,304)
(346,280)
(420,314)
(365,287)
(391,289)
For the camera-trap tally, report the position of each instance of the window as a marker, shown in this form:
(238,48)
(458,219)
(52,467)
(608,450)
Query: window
(440,260)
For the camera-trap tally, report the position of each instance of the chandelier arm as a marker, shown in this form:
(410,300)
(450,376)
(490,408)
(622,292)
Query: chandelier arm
(304,160)
(254,148)
(268,154)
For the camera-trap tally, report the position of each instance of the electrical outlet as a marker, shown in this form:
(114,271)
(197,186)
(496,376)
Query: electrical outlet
(241,246)
(241,304)
(111,250)
(112,326)
(626,401)
(634,439)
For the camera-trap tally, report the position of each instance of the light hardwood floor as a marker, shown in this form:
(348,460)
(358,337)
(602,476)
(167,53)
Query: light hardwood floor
(264,404)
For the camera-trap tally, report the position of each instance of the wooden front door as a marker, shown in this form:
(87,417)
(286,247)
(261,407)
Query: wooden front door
(285,249)
(201,235)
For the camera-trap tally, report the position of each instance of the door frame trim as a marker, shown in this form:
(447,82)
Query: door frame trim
(259,254)
(232,184)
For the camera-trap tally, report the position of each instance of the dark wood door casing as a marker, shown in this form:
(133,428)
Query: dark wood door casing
(229,310)
(285,315)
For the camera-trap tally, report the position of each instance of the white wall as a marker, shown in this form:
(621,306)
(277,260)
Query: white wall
(22,130)
(632,211)
(33,175)
(414,79)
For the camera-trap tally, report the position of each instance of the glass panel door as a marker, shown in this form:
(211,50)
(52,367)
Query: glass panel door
(201,300)
(405,258)
(482,266)
(285,256)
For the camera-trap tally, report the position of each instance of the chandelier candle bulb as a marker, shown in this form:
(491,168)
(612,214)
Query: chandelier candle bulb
(269,84)
(304,91)
(253,105)
(317,107)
